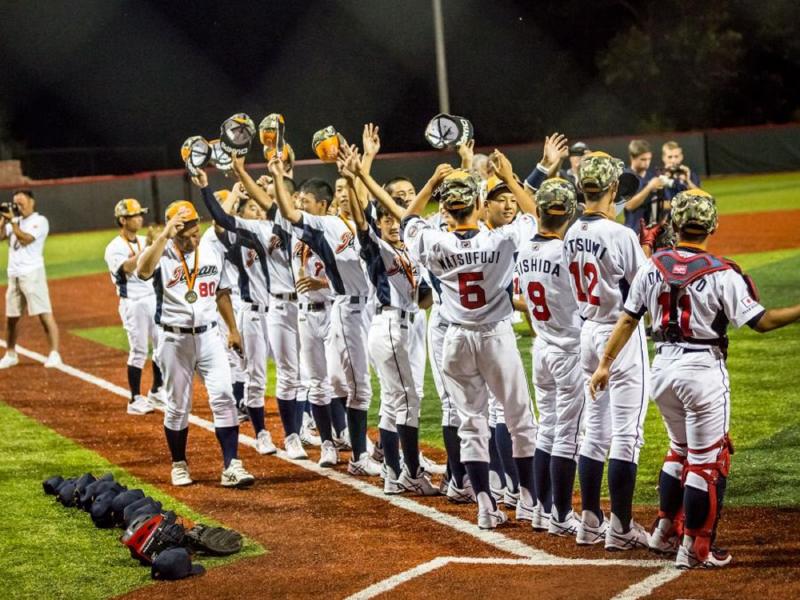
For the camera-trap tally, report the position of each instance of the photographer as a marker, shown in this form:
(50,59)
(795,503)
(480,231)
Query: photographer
(641,204)
(26,231)
(678,176)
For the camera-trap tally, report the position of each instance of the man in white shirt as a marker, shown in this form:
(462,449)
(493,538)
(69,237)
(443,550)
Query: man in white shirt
(27,283)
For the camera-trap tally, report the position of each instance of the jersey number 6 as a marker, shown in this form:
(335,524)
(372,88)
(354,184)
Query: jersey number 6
(471,294)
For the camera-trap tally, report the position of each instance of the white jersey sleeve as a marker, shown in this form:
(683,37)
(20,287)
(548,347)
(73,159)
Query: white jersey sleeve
(739,305)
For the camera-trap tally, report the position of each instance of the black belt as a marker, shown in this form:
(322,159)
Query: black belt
(687,350)
(403,313)
(192,330)
(291,296)
(314,306)
(357,300)
(259,308)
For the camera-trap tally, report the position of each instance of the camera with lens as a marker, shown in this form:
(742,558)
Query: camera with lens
(9,207)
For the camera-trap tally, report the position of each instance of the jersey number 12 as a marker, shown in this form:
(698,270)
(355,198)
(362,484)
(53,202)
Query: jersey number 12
(590,273)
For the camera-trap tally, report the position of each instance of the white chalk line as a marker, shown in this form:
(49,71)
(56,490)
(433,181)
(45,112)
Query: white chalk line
(531,556)
(636,590)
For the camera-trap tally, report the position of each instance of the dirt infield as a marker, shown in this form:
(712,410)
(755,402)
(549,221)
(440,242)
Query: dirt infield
(756,232)
(327,537)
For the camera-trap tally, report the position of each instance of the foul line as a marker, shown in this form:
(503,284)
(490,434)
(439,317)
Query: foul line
(531,556)
(634,591)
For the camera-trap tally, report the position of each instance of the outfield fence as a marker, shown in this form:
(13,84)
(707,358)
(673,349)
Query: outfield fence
(84,203)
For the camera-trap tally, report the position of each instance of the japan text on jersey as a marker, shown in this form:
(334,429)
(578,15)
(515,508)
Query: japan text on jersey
(391,270)
(544,282)
(602,257)
(475,267)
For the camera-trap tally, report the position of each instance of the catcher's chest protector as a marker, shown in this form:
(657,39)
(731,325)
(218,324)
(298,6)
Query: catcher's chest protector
(679,272)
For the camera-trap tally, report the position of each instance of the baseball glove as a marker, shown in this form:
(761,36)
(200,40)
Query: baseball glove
(214,541)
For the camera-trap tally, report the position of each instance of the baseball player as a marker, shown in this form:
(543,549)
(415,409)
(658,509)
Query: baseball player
(137,303)
(557,376)
(395,279)
(254,235)
(333,239)
(602,257)
(475,269)
(691,296)
(190,289)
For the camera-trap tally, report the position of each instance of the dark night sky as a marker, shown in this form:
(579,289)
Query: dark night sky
(147,72)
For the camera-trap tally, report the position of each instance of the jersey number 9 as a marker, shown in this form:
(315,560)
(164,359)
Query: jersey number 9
(538,301)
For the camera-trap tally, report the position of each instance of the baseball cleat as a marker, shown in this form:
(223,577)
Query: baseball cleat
(420,485)
(53,360)
(294,447)
(541,519)
(364,466)
(633,539)
(510,499)
(390,483)
(342,441)
(308,421)
(430,466)
(687,559)
(180,474)
(264,443)
(157,399)
(236,476)
(309,438)
(664,540)
(139,406)
(524,512)
(491,519)
(444,483)
(566,528)
(465,495)
(328,456)
(591,531)
(376,452)
(9,360)
(496,486)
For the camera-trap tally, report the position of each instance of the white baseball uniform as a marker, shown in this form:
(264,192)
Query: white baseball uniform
(394,277)
(690,379)
(557,376)
(480,352)
(137,299)
(334,241)
(602,257)
(189,341)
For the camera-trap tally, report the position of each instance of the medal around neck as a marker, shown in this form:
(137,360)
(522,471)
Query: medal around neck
(195,153)
(236,134)
(326,143)
(191,296)
(448,131)
(219,158)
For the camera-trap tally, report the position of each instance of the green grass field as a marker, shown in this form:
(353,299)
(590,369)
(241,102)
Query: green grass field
(54,552)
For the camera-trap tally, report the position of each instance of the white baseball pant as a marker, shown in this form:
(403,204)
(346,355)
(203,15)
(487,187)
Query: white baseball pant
(615,419)
(437,327)
(283,343)
(253,329)
(348,347)
(235,361)
(184,353)
(558,382)
(417,353)
(138,319)
(480,359)
(389,347)
(314,330)
(692,391)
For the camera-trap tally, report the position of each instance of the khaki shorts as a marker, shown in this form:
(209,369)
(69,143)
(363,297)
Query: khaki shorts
(29,289)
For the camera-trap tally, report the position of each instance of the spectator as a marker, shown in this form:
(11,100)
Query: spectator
(27,283)
(640,205)
(576,151)
(681,175)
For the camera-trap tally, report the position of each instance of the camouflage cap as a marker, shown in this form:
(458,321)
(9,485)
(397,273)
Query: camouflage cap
(129,207)
(694,211)
(458,190)
(557,196)
(598,171)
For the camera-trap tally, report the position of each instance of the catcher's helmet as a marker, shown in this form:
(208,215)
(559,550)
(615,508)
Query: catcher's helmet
(694,211)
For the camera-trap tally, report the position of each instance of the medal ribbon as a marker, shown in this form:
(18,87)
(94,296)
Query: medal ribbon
(407,268)
(130,247)
(190,278)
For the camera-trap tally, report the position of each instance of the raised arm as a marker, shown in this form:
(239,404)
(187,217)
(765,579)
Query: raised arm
(353,163)
(504,170)
(219,215)
(418,204)
(355,203)
(148,259)
(255,191)
(282,195)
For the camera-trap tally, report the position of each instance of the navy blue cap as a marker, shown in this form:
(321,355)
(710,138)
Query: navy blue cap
(93,490)
(101,508)
(123,500)
(52,484)
(174,563)
(83,481)
(134,507)
(66,493)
